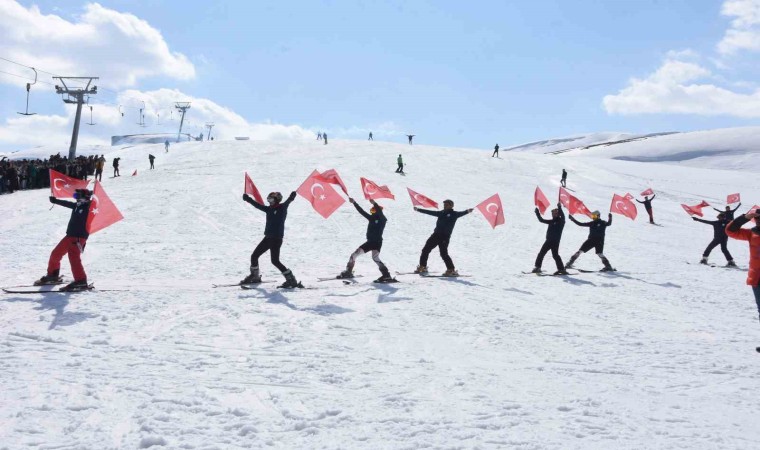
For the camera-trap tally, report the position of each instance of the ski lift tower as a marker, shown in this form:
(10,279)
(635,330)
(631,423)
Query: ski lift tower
(76,96)
(182,107)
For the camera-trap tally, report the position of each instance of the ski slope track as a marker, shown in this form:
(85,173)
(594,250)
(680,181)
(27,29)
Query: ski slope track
(660,354)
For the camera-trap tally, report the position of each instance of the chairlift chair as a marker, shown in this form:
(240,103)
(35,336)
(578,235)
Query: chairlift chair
(28,88)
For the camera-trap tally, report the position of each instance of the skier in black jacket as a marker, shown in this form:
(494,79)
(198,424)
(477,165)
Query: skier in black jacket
(375,226)
(444,226)
(274,230)
(648,206)
(729,212)
(719,238)
(597,229)
(553,236)
(72,244)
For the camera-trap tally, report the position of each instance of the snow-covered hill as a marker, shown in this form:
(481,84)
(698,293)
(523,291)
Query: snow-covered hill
(658,355)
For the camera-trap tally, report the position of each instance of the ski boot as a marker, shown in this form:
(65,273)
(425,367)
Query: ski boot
(731,264)
(76,286)
(536,270)
(561,272)
(253,278)
(422,270)
(385,276)
(607,266)
(703,260)
(290,281)
(569,264)
(52,278)
(345,274)
(450,273)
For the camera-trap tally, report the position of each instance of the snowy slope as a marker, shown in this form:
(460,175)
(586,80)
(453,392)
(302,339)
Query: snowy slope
(658,355)
(572,142)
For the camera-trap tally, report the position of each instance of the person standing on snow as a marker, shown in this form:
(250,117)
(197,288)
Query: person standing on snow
(100,163)
(376,225)
(324,138)
(166,146)
(116,167)
(729,212)
(72,244)
(151,158)
(648,206)
(400,162)
(563,180)
(752,236)
(495,151)
(370,137)
(319,136)
(441,236)
(719,238)
(274,230)
(410,136)
(553,236)
(597,230)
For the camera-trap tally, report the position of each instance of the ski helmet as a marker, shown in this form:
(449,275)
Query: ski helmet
(276,196)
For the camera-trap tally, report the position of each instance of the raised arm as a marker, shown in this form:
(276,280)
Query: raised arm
(538,216)
(580,224)
(64,203)
(734,228)
(359,208)
(641,201)
(428,212)
(290,199)
(255,204)
(697,219)
(737,207)
(609,219)
(655,195)
(459,214)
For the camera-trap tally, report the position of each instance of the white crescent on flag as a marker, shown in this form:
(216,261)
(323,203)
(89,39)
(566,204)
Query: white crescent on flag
(94,202)
(496,207)
(55,184)
(367,187)
(321,196)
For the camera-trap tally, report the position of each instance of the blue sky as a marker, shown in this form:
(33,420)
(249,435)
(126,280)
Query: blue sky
(452,73)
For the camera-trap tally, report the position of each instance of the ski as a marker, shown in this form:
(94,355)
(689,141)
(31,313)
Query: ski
(238,284)
(431,275)
(547,274)
(338,278)
(39,286)
(297,288)
(38,290)
(392,280)
(717,266)
(595,271)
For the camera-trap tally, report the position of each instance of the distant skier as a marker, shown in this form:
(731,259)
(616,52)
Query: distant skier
(719,238)
(553,236)
(495,151)
(400,162)
(648,206)
(370,137)
(116,167)
(274,230)
(374,242)
(324,138)
(166,146)
(563,181)
(99,165)
(597,230)
(752,236)
(410,136)
(72,245)
(729,212)
(151,158)
(441,236)
(319,136)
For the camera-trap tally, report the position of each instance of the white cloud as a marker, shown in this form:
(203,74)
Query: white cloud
(744,32)
(118,47)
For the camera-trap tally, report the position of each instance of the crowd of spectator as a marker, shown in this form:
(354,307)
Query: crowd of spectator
(25,174)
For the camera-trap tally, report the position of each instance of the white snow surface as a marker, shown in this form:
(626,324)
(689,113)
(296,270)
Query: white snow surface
(658,355)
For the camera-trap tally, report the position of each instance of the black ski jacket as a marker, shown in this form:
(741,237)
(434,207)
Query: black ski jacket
(276,215)
(730,213)
(647,203)
(446,220)
(719,227)
(597,228)
(376,223)
(78,221)
(554,230)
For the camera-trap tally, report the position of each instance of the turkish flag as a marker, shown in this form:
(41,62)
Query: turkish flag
(492,210)
(573,205)
(420,200)
(702,204)
(320,194)
(647,192)
(629,196)
(733,198)
(623,206)
(103,212)
(755,208)
(695,210)
(373,191)
(331,176)
(62,186)
(251,189)
(540,200)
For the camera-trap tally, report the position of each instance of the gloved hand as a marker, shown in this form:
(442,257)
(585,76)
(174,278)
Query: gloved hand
(246,197)
(537,211)
(52,199)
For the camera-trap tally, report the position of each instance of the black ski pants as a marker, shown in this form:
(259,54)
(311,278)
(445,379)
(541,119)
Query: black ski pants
(756,291)
(442,242)
(716,242)
(272,244)
(554,247)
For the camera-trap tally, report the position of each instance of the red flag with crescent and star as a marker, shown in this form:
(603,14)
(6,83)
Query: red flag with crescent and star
(695,210)
(629,196)
(540,200)
(62,186)
(492,210)
(573,205)
(252,190)
(323,198)
(733,198)
(331,176)
(372,191)
(103,213)
(420,200)
(649,191)
(623,206)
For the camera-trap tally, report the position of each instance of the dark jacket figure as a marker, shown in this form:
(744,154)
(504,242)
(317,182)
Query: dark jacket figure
(324,137)
(274,231)
(597,229)
(648,206)
(375,226)
(553,236)
(719,238)
(410,136)
(166,146)
(495,151)
(151,158)
(72,244)
(370,137)
(400,162)
(729,213)
(116,167)
(441,236)
(563,181)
